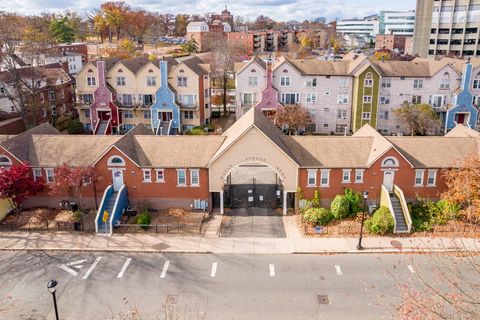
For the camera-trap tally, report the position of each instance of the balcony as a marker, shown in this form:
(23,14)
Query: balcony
(184,106)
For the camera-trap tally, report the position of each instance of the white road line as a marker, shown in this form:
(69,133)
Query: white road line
(338,270)
(272,270)
(410,267)
(91,268)
(125,265)
(214,269)
(164,270)
(72,272)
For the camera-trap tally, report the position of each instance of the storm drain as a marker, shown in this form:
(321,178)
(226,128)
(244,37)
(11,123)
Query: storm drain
(322,299)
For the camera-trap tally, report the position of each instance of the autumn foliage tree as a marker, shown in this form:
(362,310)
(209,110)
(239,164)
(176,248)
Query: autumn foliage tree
(17,185)
(73,181)
(293,117)
(463,184)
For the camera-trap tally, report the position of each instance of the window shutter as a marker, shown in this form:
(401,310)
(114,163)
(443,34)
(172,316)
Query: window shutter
(429,99)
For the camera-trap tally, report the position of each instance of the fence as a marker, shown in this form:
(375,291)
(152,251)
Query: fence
(169,228)
(43,226)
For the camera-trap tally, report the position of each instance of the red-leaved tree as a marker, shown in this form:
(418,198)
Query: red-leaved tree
(73,181)
(17,185)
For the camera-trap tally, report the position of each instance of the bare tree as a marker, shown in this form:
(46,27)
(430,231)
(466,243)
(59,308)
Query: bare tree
(225,54)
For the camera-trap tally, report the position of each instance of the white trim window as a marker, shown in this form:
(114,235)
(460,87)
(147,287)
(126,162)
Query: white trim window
(384,100)
(311,98)
(116,161)
(436,101)
(181,177)
(160,175)
(91,81)
(37,173)
(368,82)
(419,177)
(290,98)
(253,81)
(476,84)
(366,116)
(346,175)
(50,175)
(311,177)
(418,84)
(432,178)
(367,99)
(194,177)
(285,81)
(147,175)
(249,98)
(325,178)
(311,82)
(181,81)
(342,98)
(5,161)
(121,81)
(386,83)
(359,175)
(151,81)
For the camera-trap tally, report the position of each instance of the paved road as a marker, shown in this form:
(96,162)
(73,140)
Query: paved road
(175,286)
(252,223)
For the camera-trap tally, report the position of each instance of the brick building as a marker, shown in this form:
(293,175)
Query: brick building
(172,171)
(390,42)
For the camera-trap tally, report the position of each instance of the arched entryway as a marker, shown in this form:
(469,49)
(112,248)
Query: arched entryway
(253,185)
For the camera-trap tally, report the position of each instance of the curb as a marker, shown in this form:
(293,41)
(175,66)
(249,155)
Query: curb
(320,252)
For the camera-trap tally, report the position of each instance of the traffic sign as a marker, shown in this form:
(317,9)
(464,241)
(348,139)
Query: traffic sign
(105,216)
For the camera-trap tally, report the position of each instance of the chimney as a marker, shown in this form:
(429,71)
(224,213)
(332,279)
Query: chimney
(269,74)
(467,75)
(101,73)
(164,74)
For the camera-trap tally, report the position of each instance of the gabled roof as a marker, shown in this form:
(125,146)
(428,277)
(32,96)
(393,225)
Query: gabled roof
(403,68)
(254,118)
(240,66)
(436,152)
(196,65)
(379,145)
(19,144)
(462,131)
(318,67)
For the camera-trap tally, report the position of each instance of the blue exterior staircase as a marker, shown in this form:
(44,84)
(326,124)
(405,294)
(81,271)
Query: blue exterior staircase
(115,203)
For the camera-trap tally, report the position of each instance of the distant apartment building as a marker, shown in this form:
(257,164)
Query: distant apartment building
(366,26)
(244,40)
(391,42)
(225,16)
(447,28)
(48,93)
(397,22)
(345,95)
(114,95)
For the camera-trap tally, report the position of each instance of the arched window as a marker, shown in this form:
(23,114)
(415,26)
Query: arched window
(368,79)
(150,71)
(120,70)
(446,75)
(5,161)
(390,162)
(90,71)
(253,70)
(116,161)
(181,71)
(285,71)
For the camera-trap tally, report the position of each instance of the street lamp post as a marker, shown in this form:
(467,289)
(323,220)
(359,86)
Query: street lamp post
(365,196)
(51,288)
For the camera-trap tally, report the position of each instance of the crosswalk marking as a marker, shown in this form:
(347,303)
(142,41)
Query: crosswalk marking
(272,270)
(214,269)
(410,267)
(91,268)
(164,270)
(125,265)
(338,270)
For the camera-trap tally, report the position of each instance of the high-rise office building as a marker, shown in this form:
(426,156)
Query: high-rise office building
(399,23)
(447,27)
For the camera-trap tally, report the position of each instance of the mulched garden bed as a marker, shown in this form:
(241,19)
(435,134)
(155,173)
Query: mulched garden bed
(350,228)
(39,218)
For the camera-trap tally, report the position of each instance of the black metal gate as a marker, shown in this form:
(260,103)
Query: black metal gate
(253,195)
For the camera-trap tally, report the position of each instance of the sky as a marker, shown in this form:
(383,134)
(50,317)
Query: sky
(281,10)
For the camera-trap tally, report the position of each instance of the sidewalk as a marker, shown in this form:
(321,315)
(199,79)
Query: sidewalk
(295,243)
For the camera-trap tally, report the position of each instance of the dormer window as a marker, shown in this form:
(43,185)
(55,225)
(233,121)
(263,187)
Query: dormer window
(368,80)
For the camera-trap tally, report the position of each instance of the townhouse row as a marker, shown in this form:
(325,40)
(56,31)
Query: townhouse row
(167,96)
(346,94)
(171,171)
